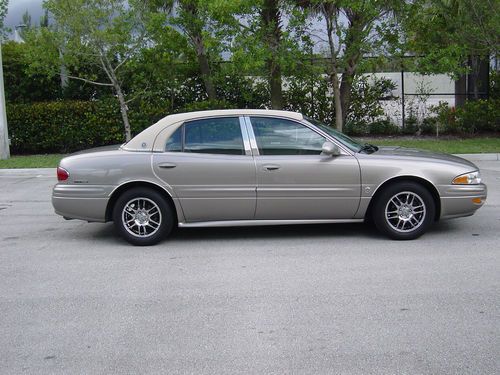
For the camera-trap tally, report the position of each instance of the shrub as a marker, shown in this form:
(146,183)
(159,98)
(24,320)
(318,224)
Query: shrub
(356,129)
(67,126)
(479,116)
(475,116)
(411,126)
(446,121)
(428,126)
(383,127)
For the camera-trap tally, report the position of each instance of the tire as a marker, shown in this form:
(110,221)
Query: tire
(404,210)
(142,216)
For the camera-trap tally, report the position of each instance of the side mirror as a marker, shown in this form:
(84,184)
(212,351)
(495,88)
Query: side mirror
(330,149)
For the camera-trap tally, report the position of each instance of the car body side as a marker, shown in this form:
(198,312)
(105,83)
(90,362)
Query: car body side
(98,177)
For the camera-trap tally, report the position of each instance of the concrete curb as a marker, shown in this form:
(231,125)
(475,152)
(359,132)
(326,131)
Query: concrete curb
(27,171)
(480,157)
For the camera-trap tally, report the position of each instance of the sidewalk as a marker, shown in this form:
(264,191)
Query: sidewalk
(480,157)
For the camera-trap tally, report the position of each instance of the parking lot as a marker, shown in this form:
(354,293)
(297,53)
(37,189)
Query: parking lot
(323,299)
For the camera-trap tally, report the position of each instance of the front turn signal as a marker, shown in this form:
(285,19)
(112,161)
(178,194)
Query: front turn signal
(472,178)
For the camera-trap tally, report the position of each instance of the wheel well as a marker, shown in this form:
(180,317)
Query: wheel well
(120,190)
(430,187)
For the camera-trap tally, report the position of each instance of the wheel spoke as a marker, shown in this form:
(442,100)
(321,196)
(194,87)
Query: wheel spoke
(395,203)
(405,211)
(141,217)
(414,221)
(152,210)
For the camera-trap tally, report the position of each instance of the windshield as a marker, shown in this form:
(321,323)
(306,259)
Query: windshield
(350,143)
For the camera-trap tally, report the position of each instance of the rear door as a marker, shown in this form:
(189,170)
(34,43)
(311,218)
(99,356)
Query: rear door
(209,165)
(294,181)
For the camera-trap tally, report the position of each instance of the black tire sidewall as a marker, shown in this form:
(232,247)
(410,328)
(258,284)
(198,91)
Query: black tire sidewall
(388,192)
(165,209)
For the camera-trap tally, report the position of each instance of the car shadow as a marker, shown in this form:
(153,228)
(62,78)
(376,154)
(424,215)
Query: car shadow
(277,232)
(107,233)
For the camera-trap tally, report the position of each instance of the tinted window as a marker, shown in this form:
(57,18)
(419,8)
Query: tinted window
(174,143)
(214,136)
(283,137)
(344,139)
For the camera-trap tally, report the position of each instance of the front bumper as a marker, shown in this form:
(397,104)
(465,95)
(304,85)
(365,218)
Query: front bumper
(461,200)
(84,202)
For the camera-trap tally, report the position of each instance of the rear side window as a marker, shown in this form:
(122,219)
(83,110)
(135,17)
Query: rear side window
(174,143)
(208,136)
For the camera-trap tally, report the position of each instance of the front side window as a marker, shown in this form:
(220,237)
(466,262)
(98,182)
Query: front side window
(352,144)
(284,137)
(208,136)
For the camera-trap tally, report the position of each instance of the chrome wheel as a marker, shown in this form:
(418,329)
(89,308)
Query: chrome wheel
(141,217)
(405,211)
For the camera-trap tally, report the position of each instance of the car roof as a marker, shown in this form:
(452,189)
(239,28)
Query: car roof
(144,140)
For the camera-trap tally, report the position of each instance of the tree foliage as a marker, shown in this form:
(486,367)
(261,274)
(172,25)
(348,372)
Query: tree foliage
(444,33)
(305,55)
(103,35)
(4,5)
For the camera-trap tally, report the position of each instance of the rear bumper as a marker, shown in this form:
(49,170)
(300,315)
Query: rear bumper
(87,202)
(461,200)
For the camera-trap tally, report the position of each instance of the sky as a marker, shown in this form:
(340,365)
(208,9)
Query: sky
(18,7)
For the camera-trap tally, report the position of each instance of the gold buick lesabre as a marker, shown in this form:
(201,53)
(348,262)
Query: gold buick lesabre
(261,167)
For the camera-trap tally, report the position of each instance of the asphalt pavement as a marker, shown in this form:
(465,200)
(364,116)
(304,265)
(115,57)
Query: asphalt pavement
(322,299)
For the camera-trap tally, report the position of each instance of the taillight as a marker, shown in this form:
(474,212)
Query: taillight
(62,174)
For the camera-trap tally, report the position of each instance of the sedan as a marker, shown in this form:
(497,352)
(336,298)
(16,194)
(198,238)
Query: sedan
(260,167)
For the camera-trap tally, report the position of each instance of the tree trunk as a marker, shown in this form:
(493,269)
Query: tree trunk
(337,97)
(345,94)
(63,72)
(194,32)
(271,19)
(123,111)
(347,82)
(475,76)
(478,78)
(110,72)
(205,69)
(352,52)
(276,85)
(329,12)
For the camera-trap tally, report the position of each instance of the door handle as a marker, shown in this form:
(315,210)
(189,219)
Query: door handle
(271,167)
(167,165)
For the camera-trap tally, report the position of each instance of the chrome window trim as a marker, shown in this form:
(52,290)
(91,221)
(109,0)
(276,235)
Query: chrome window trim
(183,138)
(253,140)
(246,136)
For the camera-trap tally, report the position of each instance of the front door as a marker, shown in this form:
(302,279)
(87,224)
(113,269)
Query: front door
(294,181)
(210,170)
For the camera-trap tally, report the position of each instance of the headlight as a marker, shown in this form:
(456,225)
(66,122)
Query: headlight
(471,178)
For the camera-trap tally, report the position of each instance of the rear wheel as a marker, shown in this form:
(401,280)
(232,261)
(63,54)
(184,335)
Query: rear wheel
(142,216)
(404,211)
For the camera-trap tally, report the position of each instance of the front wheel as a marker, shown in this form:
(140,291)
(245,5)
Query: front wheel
(404,211)
(142,216)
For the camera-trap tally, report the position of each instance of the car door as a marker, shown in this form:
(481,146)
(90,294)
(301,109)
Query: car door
(208,164)
(294,181)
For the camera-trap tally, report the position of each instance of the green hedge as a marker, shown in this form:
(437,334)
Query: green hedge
(67,126)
